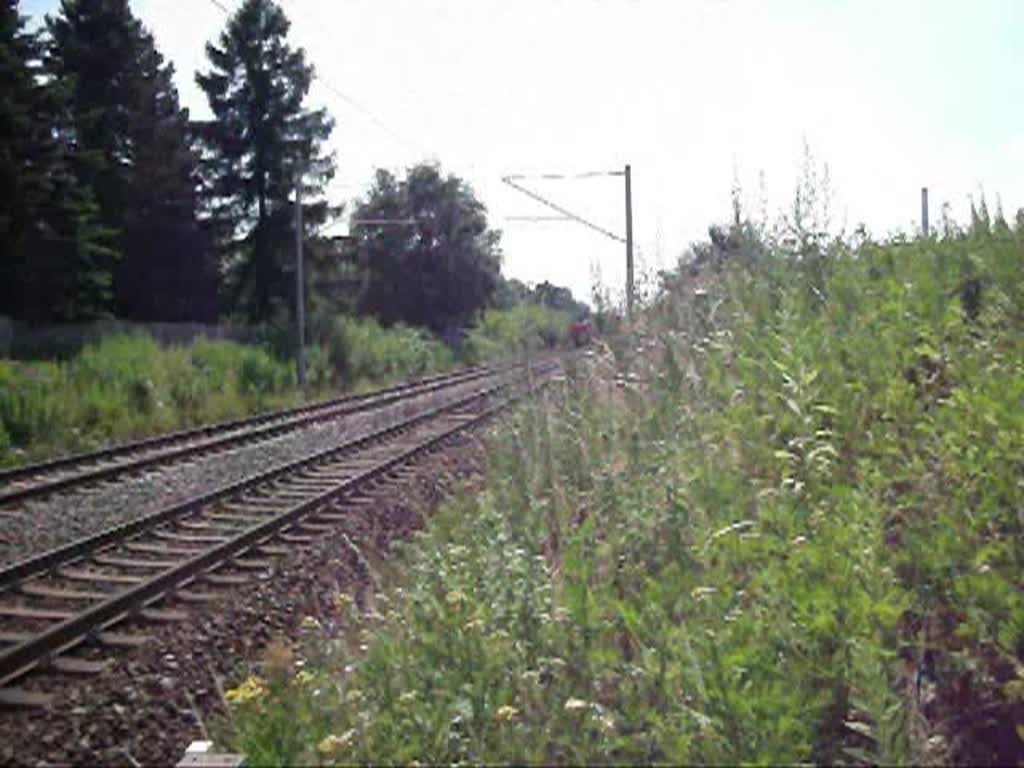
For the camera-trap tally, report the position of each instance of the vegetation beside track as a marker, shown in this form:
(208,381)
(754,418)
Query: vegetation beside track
(128,387)
(780,522)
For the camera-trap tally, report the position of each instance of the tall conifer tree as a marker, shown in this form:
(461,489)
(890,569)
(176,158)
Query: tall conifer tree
(261,141)
(128,141)
(55,256)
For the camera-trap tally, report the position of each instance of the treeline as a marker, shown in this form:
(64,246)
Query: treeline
(115,203)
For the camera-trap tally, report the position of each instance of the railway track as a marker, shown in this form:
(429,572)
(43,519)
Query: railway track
(63,612)
(38,480)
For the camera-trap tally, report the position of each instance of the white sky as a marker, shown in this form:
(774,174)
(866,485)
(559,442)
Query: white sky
(892,94)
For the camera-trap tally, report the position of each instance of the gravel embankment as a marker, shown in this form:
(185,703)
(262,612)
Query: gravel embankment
(153,702)
(41,525)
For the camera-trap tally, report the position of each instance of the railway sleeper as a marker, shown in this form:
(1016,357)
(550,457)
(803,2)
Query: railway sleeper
(81,574)
(192,596)
(163,614)
(226,579)
(253,564)
(208,527)
(23,698)
(161,549)
(73,666)
(273,550)
(35,614)
(238,518)
(296,538)
(38,590)
(285,497)
(126,562)
(190,538)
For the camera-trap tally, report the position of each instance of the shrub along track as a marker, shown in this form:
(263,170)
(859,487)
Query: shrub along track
(163,568)
(37,480)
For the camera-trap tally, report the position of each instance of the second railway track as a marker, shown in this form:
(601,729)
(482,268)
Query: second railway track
(34,481)
(63,610)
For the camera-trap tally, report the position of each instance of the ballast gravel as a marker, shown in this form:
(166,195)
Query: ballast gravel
(153,702)
(37,526)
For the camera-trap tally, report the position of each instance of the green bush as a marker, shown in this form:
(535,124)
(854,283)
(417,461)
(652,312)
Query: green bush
(129,386)
(523,328)
(362,350)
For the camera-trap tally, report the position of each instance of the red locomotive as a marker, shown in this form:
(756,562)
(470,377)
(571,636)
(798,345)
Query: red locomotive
(580,333)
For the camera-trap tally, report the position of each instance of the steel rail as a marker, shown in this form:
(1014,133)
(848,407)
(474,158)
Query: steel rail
(50,465)
(62,555)
(22,658)
(324,410)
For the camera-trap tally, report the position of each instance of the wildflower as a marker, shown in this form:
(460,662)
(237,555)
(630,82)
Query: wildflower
(310,624)
(455,600)
(576,705)
(304,677)
(407,698)
(332,745)
(354,696)
(531,677)
(699,593)
(506,714)
(341,601)
(474,625)
(251,689)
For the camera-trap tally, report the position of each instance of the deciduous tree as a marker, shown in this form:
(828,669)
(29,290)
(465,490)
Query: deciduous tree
(439,271)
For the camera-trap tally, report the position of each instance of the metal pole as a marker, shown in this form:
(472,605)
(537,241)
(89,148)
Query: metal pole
(629,244)
(300,312)
(924,211)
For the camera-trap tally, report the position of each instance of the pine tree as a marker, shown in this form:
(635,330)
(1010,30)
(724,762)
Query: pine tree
(55,257)
(128,141)
(170,270)
(261,141)
(22,186)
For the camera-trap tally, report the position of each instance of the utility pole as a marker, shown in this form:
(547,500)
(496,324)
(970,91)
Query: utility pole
(300,301)
(629,244)
(924,211)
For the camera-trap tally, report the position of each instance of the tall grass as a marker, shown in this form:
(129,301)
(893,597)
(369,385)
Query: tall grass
(779,523)
(129,386)
(361,351)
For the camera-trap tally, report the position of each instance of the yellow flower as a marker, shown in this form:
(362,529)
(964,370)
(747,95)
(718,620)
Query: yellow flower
(506,714)
(251,689)
(474,625)
(408,697)
(310,624)
(341,600)
(331,745)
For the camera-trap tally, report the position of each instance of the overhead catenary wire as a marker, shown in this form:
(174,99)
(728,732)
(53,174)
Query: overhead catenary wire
(560,176)
(356,105)
(564,211)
